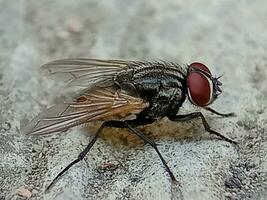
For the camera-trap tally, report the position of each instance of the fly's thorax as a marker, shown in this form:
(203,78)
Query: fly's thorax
(148,70)
(148,78)
(160,69)
(161,84)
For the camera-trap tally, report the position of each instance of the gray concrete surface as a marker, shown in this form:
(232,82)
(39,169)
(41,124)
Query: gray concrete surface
(229,36)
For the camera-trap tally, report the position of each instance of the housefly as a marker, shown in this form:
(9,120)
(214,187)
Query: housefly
(127,94)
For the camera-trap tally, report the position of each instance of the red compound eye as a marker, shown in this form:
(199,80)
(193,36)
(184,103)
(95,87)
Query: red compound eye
(199,66)
(199,85)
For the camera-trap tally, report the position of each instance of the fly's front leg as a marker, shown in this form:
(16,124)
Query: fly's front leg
(194,115)
(220,114)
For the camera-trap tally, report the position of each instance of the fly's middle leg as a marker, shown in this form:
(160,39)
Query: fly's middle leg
(154,145)
(134,123)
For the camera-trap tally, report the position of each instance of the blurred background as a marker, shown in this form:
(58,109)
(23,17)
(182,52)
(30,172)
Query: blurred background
(229,36)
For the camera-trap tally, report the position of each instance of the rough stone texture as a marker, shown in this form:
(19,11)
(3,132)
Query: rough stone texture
(229,36)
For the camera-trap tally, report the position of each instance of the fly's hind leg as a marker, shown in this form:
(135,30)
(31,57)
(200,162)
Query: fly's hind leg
(194,115)
(83,153)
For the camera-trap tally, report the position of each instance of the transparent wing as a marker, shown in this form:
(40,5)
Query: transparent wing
(85,72)
(98,104)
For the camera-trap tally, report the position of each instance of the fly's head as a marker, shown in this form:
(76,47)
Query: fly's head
(202,87)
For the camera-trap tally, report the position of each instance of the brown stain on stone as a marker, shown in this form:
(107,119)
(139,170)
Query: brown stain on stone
(160,130)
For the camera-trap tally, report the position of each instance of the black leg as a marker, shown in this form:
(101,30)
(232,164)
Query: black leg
(81,155)
(117,124)
(130,124)
(154,145)
(220,114)
(204,122)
